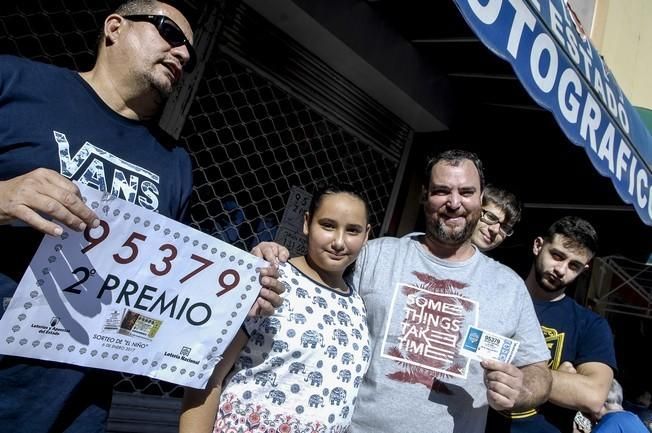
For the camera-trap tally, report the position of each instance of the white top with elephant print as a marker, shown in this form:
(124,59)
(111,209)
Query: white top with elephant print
(302,367)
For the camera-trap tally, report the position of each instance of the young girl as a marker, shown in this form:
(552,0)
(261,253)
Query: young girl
(298,370)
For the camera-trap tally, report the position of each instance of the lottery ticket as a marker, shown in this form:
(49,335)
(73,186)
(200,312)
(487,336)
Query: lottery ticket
(136,324)
(480,344)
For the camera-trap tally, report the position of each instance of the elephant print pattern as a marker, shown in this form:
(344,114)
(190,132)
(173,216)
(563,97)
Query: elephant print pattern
(301,368)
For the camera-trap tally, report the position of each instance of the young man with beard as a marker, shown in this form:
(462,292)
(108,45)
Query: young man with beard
(422,292)
(573,333)
(98,128)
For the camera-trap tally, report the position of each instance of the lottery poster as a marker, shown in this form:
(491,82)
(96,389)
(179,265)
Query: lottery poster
(139,294)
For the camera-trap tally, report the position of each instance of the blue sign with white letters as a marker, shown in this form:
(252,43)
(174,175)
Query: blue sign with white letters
(565,74)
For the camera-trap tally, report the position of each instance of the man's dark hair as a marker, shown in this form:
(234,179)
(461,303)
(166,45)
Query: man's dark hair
(135,7)
(453,157)
(505,201)
(129,7)
(143,7)
(578,232)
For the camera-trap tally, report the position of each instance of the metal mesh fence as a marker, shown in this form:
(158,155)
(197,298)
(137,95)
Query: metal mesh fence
(61,32)
(250,141)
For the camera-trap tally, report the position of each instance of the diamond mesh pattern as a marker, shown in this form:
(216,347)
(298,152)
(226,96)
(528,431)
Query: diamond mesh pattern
(61,32)
(252,142)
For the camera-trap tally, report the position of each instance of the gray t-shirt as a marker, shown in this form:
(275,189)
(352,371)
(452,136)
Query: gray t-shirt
(418,309)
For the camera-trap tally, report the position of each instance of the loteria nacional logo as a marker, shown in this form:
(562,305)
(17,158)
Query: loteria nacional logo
(184,355)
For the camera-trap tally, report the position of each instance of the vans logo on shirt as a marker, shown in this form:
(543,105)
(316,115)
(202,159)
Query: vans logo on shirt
(106,172)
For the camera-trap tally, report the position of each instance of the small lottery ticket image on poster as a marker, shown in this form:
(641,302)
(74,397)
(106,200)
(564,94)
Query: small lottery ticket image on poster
(140,294)
(135,324)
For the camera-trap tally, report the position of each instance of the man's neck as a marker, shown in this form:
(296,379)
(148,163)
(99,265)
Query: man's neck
(121,97)
(539,293)
(454,253)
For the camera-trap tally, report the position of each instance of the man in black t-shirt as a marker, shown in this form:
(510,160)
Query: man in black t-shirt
(97,128)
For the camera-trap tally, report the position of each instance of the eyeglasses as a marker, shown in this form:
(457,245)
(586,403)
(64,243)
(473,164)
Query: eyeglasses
(171,32)
(491,219)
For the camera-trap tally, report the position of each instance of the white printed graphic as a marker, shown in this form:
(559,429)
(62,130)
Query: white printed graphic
(131,182)
(424,329)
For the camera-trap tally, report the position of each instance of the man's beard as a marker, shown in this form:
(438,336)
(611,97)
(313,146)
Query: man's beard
(543,283)
(163,88)
(437,230)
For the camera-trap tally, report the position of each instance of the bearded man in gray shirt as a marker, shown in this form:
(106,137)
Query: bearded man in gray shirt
(422,292)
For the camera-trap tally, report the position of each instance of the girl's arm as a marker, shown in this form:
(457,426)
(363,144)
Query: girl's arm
(199,407)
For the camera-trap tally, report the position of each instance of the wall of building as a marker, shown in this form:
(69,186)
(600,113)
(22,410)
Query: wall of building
(621,31)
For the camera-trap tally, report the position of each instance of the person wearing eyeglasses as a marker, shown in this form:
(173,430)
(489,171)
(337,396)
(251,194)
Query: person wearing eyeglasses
(98,128)
(576,336)
(500,213)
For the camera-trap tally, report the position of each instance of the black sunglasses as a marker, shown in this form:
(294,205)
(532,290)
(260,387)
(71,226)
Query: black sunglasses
(171,32)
